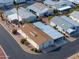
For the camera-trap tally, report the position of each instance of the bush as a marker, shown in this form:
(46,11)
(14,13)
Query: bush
(35,50)
(24,41)
(54,27)
(56,12)
(14,31)
(50,17)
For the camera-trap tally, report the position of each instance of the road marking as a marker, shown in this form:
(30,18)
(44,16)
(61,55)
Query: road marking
(3,52)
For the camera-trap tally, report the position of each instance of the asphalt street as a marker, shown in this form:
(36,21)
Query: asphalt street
(14,51)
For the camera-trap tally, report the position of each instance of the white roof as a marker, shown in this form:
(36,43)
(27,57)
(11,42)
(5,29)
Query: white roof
(13,17)
(70,30)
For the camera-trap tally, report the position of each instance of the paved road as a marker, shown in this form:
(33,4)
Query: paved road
(14,51)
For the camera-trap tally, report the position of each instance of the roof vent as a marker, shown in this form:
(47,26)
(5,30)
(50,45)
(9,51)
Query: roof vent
(33,34)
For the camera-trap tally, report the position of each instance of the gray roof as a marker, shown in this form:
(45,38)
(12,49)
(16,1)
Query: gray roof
(22,12)
(5,1)
(64,22)
(50,2)
(11,1)
(59,5)
(38,7)
(74,1)
(8,12)
(48,30)
(75,14)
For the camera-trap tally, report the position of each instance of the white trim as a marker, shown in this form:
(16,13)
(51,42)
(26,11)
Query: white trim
(64,8)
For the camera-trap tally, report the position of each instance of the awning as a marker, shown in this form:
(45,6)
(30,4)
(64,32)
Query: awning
(64,8)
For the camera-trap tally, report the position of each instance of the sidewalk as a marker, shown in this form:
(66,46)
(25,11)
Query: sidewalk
(18,38)
(74,56)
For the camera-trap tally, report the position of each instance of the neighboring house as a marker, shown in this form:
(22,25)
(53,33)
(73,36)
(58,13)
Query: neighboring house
(59,5)
(39,9)
(35,36)
(10,2)
(75,16)
(6,3)
(22,15)
(74,1)
(65,25)
(50,3)
(20,1)
(57,37)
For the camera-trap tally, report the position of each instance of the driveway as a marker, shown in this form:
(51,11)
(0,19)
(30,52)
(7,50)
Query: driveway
(14,51)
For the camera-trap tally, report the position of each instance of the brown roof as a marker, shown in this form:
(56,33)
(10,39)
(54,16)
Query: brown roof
(35,34)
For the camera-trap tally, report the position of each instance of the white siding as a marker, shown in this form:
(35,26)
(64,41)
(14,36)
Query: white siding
(53,24)
(48,43)
(20,1)
(73,18)
(59,28)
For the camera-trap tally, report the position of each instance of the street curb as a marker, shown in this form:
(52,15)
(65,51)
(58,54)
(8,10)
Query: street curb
(16,40)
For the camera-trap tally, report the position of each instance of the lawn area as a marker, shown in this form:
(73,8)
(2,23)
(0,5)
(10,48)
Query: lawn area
(76,7)
(50,17)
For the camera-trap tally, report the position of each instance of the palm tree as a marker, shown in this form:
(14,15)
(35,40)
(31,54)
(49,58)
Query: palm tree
(1,14)
(17,7)
(55,11)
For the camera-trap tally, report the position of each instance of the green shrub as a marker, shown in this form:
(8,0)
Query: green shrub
(14,31)
(35,50)
(54,27)
(50,17)
(24,41)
